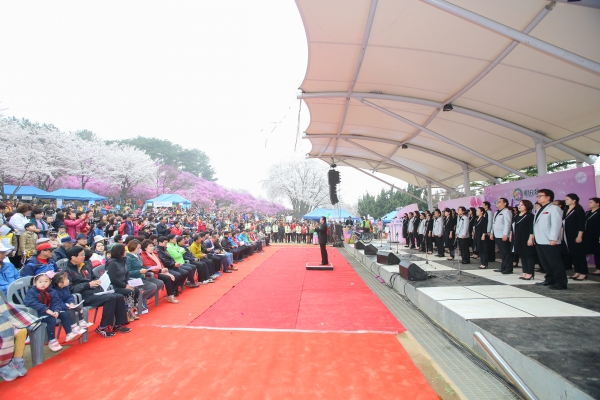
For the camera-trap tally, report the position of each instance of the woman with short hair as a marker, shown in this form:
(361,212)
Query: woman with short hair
(521,237)
(137,270)
(119,276)
(573,247)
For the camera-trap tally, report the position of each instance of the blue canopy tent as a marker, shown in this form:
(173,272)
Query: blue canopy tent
(387,218)
(167,200)
(318,212)
(75,194)
(27,191)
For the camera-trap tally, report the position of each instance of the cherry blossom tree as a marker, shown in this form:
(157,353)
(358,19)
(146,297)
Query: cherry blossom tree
(301,181)
(127,168)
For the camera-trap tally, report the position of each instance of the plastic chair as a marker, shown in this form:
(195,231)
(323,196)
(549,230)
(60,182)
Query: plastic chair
(16,291)
(62,264)
(156,296)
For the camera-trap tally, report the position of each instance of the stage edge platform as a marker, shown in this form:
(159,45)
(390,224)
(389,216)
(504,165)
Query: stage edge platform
(544,382)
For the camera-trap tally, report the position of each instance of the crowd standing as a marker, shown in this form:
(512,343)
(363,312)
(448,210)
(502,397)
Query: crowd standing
(114,259)
(556,235)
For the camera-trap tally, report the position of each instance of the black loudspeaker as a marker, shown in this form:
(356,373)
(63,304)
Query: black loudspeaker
(358,245)
(370,250)
(387,258)
(412,272)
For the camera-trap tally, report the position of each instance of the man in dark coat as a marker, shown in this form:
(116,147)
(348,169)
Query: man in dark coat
(322,235)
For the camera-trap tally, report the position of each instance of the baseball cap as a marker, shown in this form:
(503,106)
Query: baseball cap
(67,239)
(81,236)
(44,246)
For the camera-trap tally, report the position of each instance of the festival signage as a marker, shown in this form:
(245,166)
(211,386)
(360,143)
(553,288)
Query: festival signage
(580,181)
(163,204)
(469,201)
(396,224)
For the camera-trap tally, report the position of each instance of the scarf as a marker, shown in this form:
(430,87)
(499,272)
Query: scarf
(155,258)
(44,297)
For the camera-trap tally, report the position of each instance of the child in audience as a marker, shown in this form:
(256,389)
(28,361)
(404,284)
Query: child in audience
(42,298)
(60,283)
(54,240)
(62,232)
(28,239)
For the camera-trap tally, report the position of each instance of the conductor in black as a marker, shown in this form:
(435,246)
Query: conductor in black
(322,234)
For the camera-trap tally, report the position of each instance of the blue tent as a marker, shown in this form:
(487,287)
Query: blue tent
(173,198)
(75,194)
(318,212)
(387,218)
(26,191)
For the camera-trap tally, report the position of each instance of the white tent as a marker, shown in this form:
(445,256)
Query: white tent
(522,79)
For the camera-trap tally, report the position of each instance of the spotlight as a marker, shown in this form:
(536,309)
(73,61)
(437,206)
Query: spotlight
(405,146)
(448,107)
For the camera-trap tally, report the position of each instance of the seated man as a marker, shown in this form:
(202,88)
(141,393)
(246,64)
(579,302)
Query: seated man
(205,273)
(177,253)
(245,250)
(40,262)
(213,247)
(65,244)
(231,247)
(8,272)
(198,251)
(114,313)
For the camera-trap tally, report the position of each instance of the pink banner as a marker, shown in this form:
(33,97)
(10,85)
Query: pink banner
(580,181)
(471,201)
(395,233)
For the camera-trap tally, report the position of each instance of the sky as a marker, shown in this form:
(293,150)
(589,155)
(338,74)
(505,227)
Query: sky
(218,76)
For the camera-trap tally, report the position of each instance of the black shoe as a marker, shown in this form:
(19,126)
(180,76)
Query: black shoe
(192,285)
(121,329)
(227,271)
(465,262)
(543,283)
(558,287)
(507,272)
(104,332)
(497,270)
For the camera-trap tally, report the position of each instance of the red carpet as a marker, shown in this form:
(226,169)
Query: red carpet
(161,358)
(282,294)
(167,363)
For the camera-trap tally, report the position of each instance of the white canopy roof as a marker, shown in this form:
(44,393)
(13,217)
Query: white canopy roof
(516,73)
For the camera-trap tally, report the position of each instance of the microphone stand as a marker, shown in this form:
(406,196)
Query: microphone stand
(397,243)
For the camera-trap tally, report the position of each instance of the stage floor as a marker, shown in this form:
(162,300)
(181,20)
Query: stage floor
(554,328)
(271,330)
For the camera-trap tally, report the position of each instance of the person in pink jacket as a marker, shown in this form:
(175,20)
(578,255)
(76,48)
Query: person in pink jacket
(72,224)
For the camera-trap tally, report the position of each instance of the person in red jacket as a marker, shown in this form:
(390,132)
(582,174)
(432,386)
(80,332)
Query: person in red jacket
(73,225)
(176,229)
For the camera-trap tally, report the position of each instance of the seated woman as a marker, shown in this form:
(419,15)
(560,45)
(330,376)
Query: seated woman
(136,270)
(114,313)
(150,259)
(117,271)
(99,249)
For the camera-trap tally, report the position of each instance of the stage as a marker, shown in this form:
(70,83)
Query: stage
(547,336)
(272,330)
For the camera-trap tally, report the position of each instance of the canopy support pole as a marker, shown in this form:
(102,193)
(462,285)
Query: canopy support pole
(429,197)
(540,152)
(514,34)
(444,138)
(466,182)
(381,180)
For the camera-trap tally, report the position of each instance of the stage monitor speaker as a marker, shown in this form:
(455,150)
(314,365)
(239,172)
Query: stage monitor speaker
(358,245)
(370,250)
(387,258)
(412,272)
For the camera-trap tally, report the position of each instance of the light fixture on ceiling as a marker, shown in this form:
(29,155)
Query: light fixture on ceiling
(448,107)
(405,146)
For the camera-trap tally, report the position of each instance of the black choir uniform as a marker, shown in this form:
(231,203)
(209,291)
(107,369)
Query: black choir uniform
(591,235)
(480,239)
(449,234)
(522,228)
(573,252)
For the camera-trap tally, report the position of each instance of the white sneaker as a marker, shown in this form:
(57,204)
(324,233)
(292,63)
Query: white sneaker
(70,337)
(206,282)
(145,311)
(79,330)
(85,324)
(54,346)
